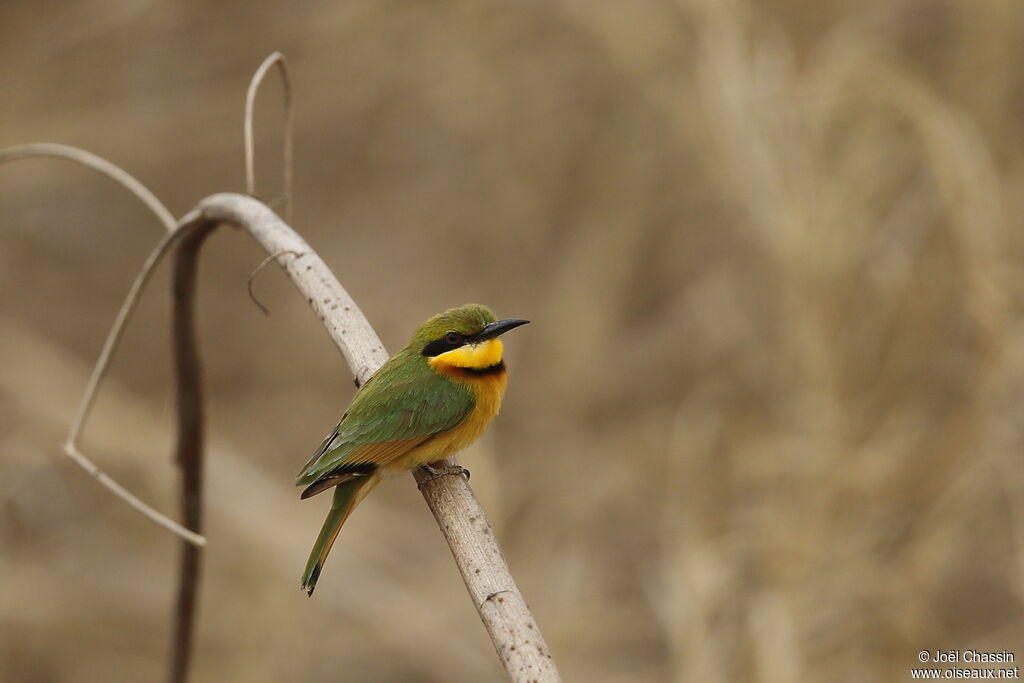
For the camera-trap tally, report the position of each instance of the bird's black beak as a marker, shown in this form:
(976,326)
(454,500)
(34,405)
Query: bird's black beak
(498,327)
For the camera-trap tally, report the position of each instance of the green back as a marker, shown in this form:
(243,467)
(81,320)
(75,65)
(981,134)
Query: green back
(404,400)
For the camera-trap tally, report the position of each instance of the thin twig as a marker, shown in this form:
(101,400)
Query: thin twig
(250,154)
(70,446)
(99,372)
(256,271)
(121,492)
(128,306)
(115,173)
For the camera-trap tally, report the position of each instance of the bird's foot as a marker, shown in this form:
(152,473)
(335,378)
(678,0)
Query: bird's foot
(439,469)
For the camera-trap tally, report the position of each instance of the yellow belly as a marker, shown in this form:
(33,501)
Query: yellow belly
(488,391)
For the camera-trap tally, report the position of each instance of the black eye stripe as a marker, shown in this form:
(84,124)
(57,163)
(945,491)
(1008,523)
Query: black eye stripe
(442,345)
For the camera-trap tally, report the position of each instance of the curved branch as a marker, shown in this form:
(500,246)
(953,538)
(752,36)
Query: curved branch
(289,125)
(109,483)
(497,598)
(99,371)
(70,445)
(89,160)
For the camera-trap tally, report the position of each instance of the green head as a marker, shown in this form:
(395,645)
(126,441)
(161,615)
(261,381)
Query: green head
(457,327)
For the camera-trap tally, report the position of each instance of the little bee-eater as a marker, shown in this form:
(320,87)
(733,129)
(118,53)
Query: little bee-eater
(428,401)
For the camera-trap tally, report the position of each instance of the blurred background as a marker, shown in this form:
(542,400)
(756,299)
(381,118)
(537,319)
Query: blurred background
(766,424)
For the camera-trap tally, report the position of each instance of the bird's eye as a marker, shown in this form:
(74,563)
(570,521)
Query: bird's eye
(453,338)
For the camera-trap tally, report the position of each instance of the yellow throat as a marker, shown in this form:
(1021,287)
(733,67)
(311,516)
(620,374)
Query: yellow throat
(471,356)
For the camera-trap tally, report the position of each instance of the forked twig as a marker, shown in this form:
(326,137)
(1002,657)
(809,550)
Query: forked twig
(70,445)
(107,482)
(250,154)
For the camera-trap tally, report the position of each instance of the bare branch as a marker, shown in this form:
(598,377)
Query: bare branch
(115,173)
(501,606)
(189,449)
(250,154)
(70,446)
(121,492)
(117,330)
(99,372)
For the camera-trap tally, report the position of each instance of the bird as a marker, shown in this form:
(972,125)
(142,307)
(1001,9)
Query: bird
(428,401)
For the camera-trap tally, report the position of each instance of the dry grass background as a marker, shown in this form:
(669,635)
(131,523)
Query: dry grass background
(766,425)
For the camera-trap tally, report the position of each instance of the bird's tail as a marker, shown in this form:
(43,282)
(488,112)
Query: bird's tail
(346,496)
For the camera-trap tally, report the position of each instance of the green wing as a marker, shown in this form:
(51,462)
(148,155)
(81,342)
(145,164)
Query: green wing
(400,407)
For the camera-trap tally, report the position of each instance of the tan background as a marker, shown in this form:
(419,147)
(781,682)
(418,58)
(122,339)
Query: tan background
(766,424)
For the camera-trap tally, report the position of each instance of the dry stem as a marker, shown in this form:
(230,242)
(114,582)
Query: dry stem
(70,445)
(89,160)
(189,447)
(289,120)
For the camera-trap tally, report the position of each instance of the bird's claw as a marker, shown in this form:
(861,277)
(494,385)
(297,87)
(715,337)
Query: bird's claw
(441,470)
